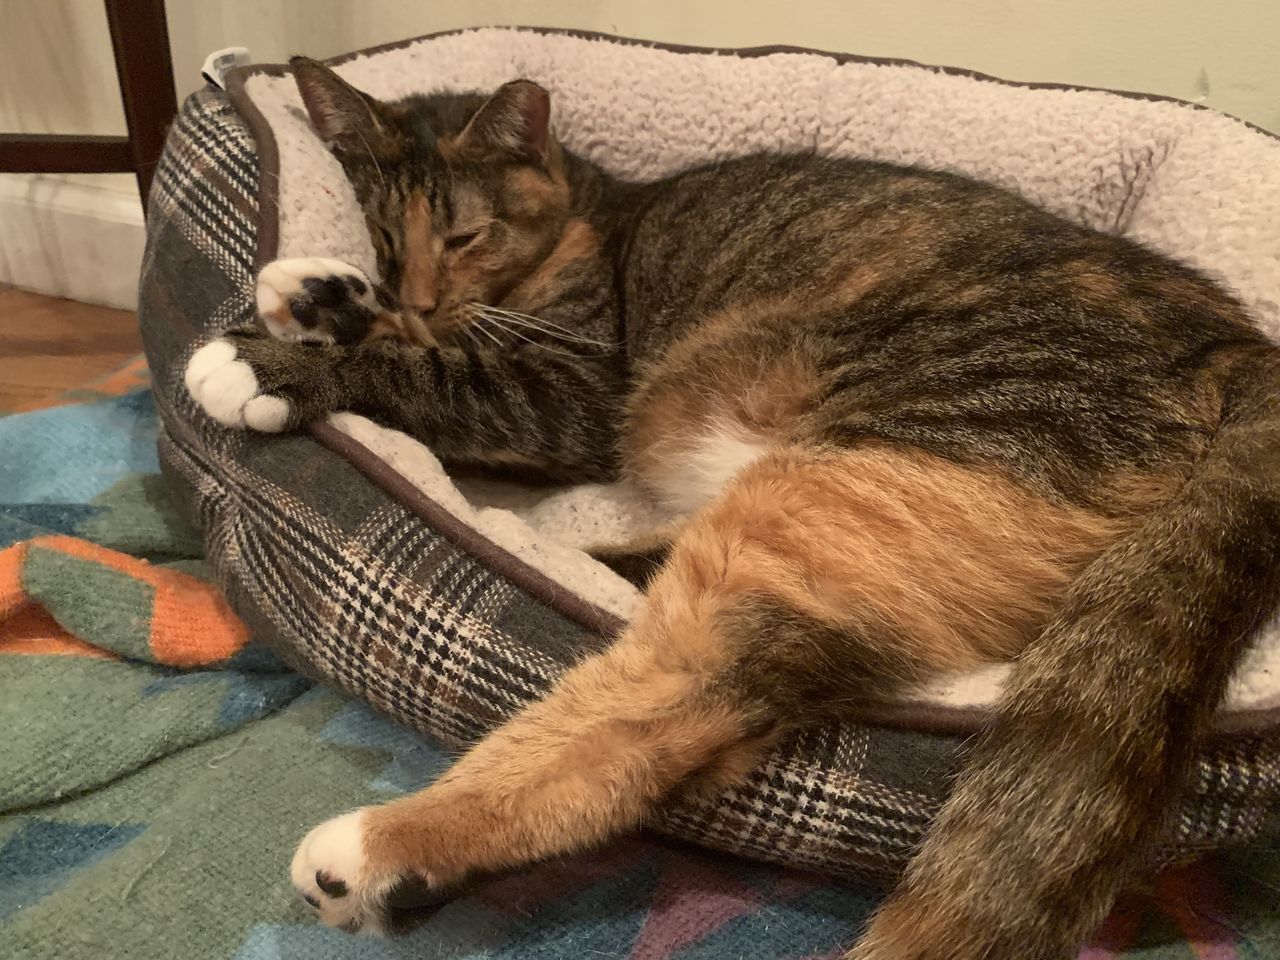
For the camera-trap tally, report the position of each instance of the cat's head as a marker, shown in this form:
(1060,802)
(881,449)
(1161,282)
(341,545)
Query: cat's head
(463,195)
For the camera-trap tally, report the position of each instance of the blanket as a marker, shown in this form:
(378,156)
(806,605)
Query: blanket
(157,767)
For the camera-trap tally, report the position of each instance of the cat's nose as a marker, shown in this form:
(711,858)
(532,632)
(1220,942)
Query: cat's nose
(419,290)
(421,306)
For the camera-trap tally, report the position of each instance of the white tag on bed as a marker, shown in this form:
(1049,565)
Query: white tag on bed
(219,62)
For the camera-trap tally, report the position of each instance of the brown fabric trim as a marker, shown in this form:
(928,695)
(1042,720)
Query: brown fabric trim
(268,158)
(528,578)
(1246,723)
(923,718)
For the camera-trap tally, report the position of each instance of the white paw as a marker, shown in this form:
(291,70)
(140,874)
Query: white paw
(291,308)
(227,390)
(330,872)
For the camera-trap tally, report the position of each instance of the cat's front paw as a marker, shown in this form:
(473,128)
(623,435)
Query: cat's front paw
(316,299)
(250,381)
(335,874)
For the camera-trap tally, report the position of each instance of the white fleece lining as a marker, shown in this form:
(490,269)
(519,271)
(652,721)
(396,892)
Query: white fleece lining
(1195,184)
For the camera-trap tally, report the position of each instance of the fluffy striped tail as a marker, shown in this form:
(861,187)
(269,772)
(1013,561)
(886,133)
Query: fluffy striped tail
(1065,794)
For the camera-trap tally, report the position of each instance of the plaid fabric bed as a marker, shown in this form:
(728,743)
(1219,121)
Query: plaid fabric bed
(353,589)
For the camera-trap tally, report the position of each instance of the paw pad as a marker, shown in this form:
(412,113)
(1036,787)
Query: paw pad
(331,872)
(315,299)
(334,888)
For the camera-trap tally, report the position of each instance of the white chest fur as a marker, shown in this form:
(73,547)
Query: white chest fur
(684,481)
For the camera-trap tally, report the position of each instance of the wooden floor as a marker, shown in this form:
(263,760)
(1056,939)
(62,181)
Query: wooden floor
(49,345)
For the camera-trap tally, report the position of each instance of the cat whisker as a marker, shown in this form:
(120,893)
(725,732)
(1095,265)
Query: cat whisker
(511,331)
(508,323)
(546,327)
(485,331)
(550,329)
(377,166)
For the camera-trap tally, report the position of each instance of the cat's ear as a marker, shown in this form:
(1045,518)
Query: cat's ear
(514,123)
(341,114)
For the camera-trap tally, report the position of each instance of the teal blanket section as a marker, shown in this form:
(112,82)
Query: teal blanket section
(73,453)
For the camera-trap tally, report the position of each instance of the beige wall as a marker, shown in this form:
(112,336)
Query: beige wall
(1226,52)
(56,72)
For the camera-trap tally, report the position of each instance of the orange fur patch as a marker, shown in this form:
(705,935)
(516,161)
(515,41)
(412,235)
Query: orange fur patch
(618,733)
(401,326)
(420,276)
(961,566)
(718,378)
(281,316)
(532,194)
(1094,284)
(961,563)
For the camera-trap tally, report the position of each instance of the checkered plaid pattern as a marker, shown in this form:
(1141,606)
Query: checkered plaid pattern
(355,590)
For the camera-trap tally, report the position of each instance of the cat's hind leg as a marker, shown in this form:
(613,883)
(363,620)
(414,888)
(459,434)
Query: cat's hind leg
(813,579)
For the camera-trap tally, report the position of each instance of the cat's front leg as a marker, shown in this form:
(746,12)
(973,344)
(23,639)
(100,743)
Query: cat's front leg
(550,410)
(282,372)
(248,380)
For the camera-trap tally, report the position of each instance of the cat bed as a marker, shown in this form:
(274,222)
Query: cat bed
(448,605)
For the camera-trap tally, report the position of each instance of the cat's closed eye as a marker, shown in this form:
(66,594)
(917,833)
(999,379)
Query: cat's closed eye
(460,240)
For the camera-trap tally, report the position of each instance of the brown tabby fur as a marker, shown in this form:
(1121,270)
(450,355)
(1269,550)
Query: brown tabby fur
(990,434)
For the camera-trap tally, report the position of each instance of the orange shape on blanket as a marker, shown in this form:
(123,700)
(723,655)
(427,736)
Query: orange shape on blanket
(129,377)
(122,380)
(191,623)
(27,628)
(33,632)
(12,596)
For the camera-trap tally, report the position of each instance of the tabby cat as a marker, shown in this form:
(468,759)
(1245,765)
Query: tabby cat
(911,423)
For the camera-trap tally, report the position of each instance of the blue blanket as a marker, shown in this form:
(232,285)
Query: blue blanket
(150,799)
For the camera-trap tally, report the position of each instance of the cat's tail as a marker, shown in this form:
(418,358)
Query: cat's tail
(638,560)
(1065,794)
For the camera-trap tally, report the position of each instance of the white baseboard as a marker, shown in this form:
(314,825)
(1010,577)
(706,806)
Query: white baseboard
(70,237)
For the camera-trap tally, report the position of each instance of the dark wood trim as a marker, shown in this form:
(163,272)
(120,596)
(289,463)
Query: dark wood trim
(59,153)
(140,38)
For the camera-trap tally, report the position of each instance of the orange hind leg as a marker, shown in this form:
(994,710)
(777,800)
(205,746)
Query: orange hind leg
(811,580)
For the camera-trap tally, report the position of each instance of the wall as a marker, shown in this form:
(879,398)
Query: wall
(1226,52)
(56,72)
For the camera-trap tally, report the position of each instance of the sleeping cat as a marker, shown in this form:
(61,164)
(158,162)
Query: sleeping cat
(911,424)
